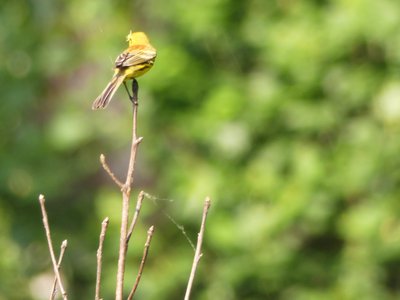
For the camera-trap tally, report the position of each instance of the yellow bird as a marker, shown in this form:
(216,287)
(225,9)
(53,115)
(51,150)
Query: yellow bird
(136,60)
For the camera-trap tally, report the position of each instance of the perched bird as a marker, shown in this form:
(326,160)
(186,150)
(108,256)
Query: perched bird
(136,60)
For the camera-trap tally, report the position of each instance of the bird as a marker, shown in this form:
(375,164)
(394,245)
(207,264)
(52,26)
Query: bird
(133,62)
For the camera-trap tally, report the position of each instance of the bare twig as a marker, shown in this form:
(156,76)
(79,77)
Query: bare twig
(198,254)
(49,242)
(108,170)
(60,258)
(104,225)
(135,216)
(142,263)
(126,191)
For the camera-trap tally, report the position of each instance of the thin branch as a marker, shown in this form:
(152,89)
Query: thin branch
(126,191)
(49,242)
(108,170)
(104,225)
(135,216)
(142,263)
(198,254)
(135,140)
(64,245)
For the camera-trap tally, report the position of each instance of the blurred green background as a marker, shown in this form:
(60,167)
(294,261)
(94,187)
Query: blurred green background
(286,113)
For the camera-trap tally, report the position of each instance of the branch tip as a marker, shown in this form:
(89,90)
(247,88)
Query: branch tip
(135,217)
(50,246)
(143,262)
(198,254)
(104,226)
(139,140)
(109,172)
(62,251)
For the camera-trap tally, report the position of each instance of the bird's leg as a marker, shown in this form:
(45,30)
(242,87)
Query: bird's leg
(129,94)
(135,91)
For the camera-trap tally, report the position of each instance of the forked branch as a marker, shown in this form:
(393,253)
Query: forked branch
(50,245)
(126,192)
(64,245)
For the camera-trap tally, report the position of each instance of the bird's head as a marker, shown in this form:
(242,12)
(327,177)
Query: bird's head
(137,38)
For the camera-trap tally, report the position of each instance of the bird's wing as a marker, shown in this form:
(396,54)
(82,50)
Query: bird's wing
(133,57)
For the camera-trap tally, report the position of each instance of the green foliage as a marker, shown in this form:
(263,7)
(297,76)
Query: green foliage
(286,113)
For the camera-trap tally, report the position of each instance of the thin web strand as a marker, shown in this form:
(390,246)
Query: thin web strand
(181,228)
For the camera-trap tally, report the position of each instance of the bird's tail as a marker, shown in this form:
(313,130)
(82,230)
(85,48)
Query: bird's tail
(105,97)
